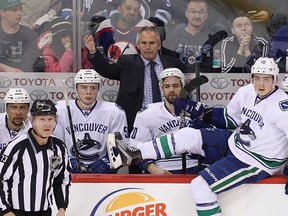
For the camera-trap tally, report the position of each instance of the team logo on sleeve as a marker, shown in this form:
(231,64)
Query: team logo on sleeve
(283,105)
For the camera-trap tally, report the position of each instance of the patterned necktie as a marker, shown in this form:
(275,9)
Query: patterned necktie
(155,83)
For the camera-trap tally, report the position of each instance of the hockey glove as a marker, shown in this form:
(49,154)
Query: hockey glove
(195,109)
(74,166)
(198,123)
(100,166)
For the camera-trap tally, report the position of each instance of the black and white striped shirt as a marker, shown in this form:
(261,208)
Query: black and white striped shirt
(29,171)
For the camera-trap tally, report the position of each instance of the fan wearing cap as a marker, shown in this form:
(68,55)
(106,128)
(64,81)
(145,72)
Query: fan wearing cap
(34,166)
(92,120)
(14,122)
(17,42)
(58,54)
(38,12)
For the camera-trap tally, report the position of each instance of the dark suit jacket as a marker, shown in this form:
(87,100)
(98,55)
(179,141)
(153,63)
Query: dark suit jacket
(129,70)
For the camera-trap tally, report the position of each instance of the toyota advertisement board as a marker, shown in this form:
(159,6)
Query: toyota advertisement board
(217,92)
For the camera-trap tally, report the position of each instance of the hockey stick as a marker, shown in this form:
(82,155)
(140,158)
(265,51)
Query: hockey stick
(79,167)
(185,92)
(192,85)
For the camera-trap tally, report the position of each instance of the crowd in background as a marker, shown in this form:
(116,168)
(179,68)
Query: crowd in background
(41,40)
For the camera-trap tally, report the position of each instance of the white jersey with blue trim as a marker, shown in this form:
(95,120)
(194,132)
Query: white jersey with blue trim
(91,128)
(153,121)
(8,135)
(261,139)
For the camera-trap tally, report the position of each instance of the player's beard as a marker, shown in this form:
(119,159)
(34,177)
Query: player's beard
(16,124)
(171,97)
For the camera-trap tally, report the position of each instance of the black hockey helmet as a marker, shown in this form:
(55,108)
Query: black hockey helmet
(43,107)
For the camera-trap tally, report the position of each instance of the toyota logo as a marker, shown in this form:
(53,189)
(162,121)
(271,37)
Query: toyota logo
(38,95)
(219,83)
(110,95)
(4,82)
(70,82)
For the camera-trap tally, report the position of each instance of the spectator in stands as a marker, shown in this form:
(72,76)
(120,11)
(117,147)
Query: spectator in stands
(89,9)
(275,22)
(279,48)
(37,12)
(118,34)
(195,31)
(57,46)
(258,11)
(187,38)
(18,49)
(160,9)
(240,51)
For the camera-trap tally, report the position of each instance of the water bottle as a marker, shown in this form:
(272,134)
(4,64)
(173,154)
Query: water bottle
(216,63)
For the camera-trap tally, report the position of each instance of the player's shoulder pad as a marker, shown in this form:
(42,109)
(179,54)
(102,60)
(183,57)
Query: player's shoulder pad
(143,109)
(283,105)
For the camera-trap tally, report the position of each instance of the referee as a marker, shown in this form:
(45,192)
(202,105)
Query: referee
(34,164)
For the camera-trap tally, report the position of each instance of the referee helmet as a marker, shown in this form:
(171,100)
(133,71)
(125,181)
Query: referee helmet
(43,107)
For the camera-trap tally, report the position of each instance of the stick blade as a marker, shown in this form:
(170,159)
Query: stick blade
(192,85)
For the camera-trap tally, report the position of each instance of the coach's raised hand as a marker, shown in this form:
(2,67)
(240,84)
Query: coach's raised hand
(195,109)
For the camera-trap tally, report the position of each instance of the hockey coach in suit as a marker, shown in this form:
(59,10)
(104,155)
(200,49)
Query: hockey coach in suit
(133,71)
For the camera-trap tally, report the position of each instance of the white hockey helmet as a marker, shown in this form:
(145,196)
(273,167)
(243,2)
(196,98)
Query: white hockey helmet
(265,65)
(284,84)
(87,76)
(17,95)
(171,72)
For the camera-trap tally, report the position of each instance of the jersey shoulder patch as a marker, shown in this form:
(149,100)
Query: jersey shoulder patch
(283,105)
(143,109)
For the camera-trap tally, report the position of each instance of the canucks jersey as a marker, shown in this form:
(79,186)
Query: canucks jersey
(153,121)
(261,139)
(8,135)
(90,128)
